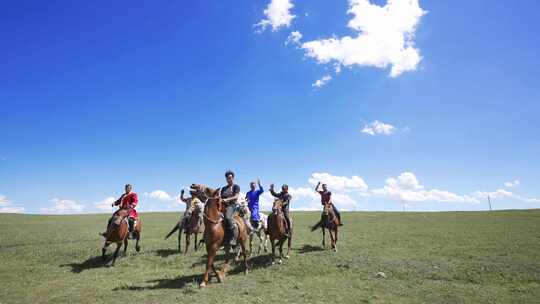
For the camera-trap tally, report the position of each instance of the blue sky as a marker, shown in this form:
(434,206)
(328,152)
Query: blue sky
(160,95)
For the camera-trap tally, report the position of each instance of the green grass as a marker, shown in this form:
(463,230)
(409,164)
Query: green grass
(454,257)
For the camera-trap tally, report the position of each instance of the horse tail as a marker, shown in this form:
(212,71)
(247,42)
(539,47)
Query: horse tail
(317,226)
(176,227)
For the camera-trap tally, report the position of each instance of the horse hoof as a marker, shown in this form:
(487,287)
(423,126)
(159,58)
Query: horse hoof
(226,268)
(202,285)
(287,256)
(221,277)
(137,248)
(280,262)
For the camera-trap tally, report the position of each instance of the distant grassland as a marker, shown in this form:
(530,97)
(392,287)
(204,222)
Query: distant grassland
(453,257)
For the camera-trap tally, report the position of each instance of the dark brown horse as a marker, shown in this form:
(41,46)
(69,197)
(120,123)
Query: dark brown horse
(214,233)
(277,231)
(117,232)
(329,221)
(190,225)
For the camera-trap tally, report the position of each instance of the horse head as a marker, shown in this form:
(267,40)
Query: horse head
(277,207)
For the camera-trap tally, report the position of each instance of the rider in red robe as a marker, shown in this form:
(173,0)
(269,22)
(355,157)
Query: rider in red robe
(128,201)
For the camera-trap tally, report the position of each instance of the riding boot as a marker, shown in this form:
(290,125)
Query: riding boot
(130,224)
(234,236)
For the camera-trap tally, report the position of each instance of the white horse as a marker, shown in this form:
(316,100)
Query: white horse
(260,231)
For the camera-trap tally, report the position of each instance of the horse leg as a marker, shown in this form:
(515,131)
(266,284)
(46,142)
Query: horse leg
(209,264)
(289,242)
(243,248)
(272,243)
(118,245)
(188,236)
(251,243)
(332,242)
(265,236)
(196,237)
(280,261)
(323,236)
(137,247)
(125,245)
(180,239)
(226,266)
(104,251)
(336,238)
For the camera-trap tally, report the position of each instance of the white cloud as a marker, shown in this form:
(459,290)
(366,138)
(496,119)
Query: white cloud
(322,82)
(512,184)
(385,38)
(293,38)
(504,194)
(7,206)
(407,188)
(105,204)
(159,195)
(278,14)
(379,127)
(338,183)
(63,207)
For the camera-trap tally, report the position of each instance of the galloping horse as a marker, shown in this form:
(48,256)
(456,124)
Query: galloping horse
(260,231)
(214,233)
(276,230)
(330,221)
(190,225)
(117,233)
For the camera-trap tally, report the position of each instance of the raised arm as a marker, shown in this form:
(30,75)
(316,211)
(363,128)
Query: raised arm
(261,190)
(317,187)
(273,192)
(185,200)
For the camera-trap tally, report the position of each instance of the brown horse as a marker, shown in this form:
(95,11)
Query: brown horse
(117,232)
(277,231)
(330,221)
(190,225)
(214,233)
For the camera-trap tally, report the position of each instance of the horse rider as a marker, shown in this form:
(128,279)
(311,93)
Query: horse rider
(285,198)
(192,204)
(128,201)
(253,202)
(229,196)
(326,199)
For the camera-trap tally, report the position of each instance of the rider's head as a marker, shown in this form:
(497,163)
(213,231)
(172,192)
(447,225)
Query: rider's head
(229,175)
(252,186)
(128,188)
(324,187)
(285,188)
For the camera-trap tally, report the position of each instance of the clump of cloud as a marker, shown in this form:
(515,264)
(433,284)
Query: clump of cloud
(378,128)
(512,184)
(322,82)
(6,206)
(294,38)
(385,38)
(62,206)
(278,14)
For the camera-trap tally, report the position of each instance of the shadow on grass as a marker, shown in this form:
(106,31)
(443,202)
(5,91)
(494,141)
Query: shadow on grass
(175,283)
(91,263)
(166,252)
(309,248)
(192,280)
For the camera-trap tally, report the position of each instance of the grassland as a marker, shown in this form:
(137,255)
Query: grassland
(455,257)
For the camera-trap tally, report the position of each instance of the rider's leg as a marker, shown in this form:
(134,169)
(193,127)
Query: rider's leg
(287,221)
(131,223)
(337,214)
(229,222)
